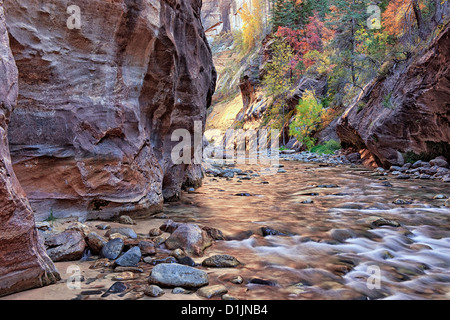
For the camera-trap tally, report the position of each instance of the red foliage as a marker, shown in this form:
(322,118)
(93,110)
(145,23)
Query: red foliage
(304,40)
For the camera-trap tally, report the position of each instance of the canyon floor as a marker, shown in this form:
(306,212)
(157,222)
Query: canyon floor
(309,231)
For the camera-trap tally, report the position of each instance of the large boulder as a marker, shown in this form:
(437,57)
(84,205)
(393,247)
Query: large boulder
(189,237)
(68,245)
(24,264)
(91,135)
(405,113)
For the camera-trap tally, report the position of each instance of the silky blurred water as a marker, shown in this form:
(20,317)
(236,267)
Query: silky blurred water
(332,250)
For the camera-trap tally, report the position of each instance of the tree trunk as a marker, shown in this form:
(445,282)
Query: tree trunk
(419,19)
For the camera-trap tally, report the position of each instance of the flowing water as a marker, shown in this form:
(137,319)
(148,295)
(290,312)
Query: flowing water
(330,248)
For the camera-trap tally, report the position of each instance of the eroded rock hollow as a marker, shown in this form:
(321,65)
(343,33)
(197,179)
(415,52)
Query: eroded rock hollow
(97,105)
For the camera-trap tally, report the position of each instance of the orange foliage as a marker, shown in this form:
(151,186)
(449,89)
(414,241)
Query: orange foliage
(399,16)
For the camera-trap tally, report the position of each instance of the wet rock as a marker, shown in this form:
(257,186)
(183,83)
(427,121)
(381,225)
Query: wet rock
(130,258)
(103,226)
(384,222)
(126,220)
(424,176)
(113,248)
(418,247)
(169,226)
(402,201)
(237,280)
(177,275)
(307,201)
(147,248)
(221,261)
(243,194)
(189,237)
(212,291)
(327,186)
(440,197)
(187,261)
(65,246)
(263,282)
(341,235)
(155,232)
(387,184)
(214,233)
(153,291)
(267,231)
(95,242)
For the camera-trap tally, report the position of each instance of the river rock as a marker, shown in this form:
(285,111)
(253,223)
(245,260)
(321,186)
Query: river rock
(147,248)
(187,261)
(341,235)
(439,162)
(127,232)
(126,220)
(237,280)
(169,226)
(156,261)
(65,246)
(384,222)
(267,231)
(212,291)
(95,242)
(155,232)
(189,237)
(177,275)
(221,261)
(130,258)
(153,291)
(214,233)
(113,248)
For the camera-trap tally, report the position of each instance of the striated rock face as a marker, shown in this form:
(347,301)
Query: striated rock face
(404,114)
(23,261)
(91,134)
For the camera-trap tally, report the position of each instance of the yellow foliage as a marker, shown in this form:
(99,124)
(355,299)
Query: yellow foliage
(252,23)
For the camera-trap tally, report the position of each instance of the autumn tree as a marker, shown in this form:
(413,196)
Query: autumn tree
(253,24)
(307,119)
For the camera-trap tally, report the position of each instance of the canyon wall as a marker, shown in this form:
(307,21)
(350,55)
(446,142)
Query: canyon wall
(101,92)
(24,263)
(405,113)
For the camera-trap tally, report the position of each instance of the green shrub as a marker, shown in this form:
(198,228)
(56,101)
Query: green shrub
(328,147)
